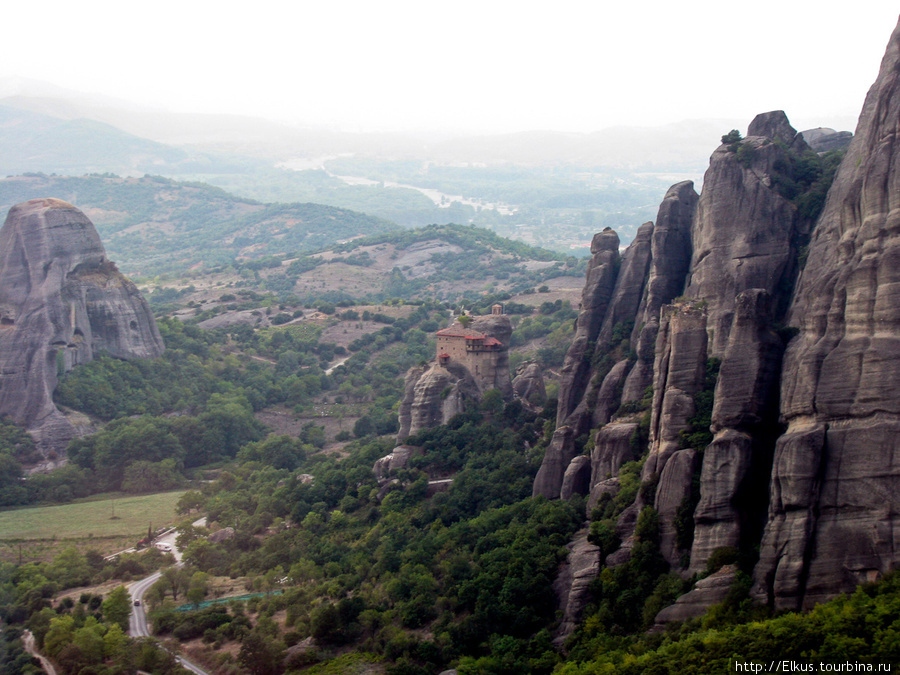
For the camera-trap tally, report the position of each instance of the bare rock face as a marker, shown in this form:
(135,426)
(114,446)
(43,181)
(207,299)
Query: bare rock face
(598,290)
(670,259)
(61,302)
(744,229)
(706,592)
(630,283)
(560,452)
(680,369)
(528,384)
(601,402)
(823,139)
(833,518)
(397,459)
(737,463)
(577,478)
(673,489)
(612,448)
(572,585)
(434,395)
(804,460)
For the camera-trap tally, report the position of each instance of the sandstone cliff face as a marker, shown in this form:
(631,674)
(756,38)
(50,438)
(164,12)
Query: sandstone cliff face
(798,457)
(61,302)
(833,518)
(620,304)
(433,396)
(528,385)
(744,229)
(670,258)
(598,289)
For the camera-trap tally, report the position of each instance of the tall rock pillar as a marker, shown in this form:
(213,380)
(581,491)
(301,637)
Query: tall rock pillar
(834,515)
(61,302)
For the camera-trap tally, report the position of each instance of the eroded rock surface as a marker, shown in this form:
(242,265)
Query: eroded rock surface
(434,395)
(775,416)
(572,584)
(745,229)
(706,592)
(61,303)
(528,384)
(833,518)
(598,290)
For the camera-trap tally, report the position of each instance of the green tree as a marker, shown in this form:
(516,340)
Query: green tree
(144,477)
(117,607)
(261,655)
(198,587)
(732,137)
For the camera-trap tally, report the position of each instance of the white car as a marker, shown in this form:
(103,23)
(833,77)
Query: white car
(164,547)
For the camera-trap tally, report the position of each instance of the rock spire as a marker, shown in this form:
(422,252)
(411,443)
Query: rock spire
(62,301)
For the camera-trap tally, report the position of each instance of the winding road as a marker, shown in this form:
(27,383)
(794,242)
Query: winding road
(137,622)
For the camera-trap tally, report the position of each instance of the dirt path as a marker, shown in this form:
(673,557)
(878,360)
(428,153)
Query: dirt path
(28,641)
(337,363)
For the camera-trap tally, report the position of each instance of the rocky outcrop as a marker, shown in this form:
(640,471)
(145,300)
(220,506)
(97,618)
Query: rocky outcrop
(745,230)
(577,478)
(397,459)
(528,384)
(560,451)
(706,592)
(219,536)
(834,515)
(736,464)
(630,283)
(823,139)
(61,303)
(572,585)
(774,417)
(613,446)
(434,395)
(479,362)
(679,369)
(598,290)
(670,259)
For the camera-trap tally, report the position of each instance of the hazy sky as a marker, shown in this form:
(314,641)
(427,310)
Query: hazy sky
(490,65)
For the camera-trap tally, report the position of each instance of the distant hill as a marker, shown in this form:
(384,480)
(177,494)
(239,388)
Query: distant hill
(31,141)
(549,189)
(449,263)
(153,225)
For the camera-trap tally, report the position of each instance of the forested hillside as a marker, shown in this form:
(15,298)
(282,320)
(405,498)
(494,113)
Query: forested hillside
(153,225)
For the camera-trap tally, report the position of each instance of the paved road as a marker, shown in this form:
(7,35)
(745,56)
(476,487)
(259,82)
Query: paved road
(137,623)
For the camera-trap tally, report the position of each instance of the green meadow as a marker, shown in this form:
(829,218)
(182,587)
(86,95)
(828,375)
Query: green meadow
(117,516)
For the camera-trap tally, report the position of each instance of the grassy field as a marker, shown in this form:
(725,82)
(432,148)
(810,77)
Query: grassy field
(126,516)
